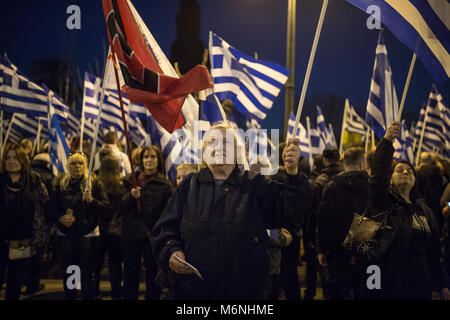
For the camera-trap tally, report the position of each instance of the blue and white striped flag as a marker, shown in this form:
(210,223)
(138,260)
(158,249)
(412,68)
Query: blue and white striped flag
(423,26)
(403,146)
(418,132)
(326,133)
(437,124)
(251,84)
(382,106)
(28,127)
(317,145)
(20,95)
(354,123)
(14,135)
(58,148)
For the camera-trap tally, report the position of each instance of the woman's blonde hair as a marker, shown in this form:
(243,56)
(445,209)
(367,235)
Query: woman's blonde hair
(65,178)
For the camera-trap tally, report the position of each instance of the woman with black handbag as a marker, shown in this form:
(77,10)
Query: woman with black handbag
(410,268)
(23,230)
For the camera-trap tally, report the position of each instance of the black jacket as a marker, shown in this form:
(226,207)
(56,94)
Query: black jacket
(41,167)
(86,214)
(344,195)
(21,212)
(222,230)
(154,197)
(411,268)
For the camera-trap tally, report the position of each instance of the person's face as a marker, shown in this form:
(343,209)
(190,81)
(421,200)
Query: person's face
(221,148)
(150,161)
(77,165)
(12,163)
(182,172)
(403,176)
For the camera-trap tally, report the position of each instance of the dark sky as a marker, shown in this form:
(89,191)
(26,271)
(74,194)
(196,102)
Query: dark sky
(343,64)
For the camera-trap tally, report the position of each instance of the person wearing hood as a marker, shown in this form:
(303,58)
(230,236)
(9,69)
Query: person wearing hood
(344,195)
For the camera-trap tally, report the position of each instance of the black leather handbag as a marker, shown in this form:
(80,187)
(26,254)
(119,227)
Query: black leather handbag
(369,238)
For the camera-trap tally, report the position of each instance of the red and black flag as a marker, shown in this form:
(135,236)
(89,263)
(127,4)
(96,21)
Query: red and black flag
(144,81)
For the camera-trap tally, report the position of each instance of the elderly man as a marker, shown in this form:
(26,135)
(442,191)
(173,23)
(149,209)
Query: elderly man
(217,221)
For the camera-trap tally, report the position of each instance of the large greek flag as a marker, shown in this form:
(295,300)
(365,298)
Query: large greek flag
(252,84)
(20,95)
(382,106)
(423,26)
(354,122)
(326,133)
(58,148)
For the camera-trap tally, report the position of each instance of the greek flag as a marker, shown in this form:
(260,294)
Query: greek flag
(418,132)
(20,95)
(326,133)
(382,106)
(403,146)
(317,145)
(59,150)
(72,126)
(251,84)
(422,25)
(437,124)
(14,135)
(28,127)
(354,122)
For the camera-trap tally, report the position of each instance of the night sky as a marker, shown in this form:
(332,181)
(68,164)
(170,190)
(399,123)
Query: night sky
(343,64)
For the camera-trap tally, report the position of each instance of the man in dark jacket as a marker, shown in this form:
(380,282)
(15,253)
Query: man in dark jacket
(343,196)
(217,221)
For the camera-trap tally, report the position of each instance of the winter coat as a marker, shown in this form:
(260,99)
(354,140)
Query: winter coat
(41,167)
(154,197)
(22,212)
(411,267)
(221,228)
(345,195)
(86,214)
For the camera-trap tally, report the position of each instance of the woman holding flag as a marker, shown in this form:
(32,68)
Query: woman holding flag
(76,213)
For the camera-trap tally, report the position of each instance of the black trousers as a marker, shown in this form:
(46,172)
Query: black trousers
(133,251)
(111,245)
(289,261)
(4,250)
(17,273)
(34,273)
(77,252)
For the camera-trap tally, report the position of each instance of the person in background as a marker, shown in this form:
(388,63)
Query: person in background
(111,141)
(411,268)
(344,195)
(23,231)
(153,192)
(76,211)
(109,175)
(184,169)
(27,145)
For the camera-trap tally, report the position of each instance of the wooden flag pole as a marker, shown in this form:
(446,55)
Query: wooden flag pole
(133,175)
(310,64)
(405,89)
(421,136)
(344,117)
(373,138)
(13,118)
(366,147)
(38,137)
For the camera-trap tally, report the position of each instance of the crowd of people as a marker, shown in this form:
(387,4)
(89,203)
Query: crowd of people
(221,232)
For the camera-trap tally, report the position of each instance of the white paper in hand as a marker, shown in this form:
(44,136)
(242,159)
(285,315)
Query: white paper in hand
(190,266)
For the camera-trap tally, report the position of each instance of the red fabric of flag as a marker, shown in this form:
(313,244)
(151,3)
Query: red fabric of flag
(144,81)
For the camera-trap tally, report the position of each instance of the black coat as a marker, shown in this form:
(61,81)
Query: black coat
(344,195)
(41,167)
(411,268)
(222,230)
(154,197)
(86,214)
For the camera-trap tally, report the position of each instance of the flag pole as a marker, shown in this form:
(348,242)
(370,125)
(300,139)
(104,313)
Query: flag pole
(38,136)
(421,136)
(133,175)
(13,118)
(1,133)
(405,89)
(341,146)
(83,120)
(366,147)
(310,63)
(373,138)
(308,126)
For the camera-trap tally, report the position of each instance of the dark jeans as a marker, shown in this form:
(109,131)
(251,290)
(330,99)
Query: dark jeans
(17,272)
(77,252)
(4,250)
(289,261)
(34,274)
(110,244)
(311,272)
(133,251)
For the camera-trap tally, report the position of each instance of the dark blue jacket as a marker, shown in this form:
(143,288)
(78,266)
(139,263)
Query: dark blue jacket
(222,230)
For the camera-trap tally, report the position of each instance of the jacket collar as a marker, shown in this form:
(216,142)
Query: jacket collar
(205,175)
(159,177)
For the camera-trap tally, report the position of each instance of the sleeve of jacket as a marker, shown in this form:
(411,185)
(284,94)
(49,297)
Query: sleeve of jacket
(100,200)
(326,217)
(52,209)
(381,174)
(165,236)
(285,205)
